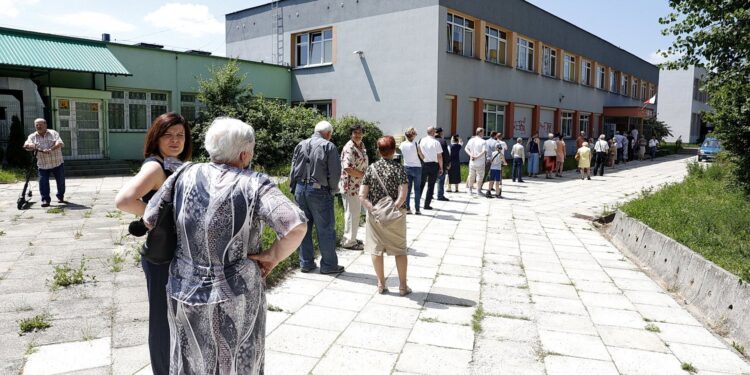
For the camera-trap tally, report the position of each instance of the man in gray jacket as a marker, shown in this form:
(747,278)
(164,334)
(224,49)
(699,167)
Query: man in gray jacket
(314,179)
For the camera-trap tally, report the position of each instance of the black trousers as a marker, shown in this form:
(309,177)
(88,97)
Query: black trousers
(429,176)
(600,160)
(158,325)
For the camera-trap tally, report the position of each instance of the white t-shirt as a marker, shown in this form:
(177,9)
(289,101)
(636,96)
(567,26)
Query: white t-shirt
(652,143)
(409,153)
(550,148)
(474,147)
(430,149)
(601,146)
(497,160)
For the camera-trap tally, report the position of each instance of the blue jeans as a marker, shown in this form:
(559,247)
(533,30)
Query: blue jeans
(317,205)
(652,152)
(59,173)
(533,165)
(517,172)
(441,184)
(414,176)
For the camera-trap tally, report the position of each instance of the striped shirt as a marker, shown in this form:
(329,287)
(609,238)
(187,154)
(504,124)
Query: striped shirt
(46,160)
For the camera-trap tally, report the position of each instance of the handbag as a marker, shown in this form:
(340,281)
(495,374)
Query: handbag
(385,211)
(161,241)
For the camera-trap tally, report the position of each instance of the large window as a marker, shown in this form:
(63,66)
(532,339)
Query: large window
(549,61)
(324,107)
(566,124)
(494,117)
(314,48)
(586,72)
(643,90)
(496,45)
(460,35)
(600,77)
(612,81)
(525,57)
(135,110)
(651,91)
(569,68)
(190,106)
(583,124)
(634,88)
(623,85)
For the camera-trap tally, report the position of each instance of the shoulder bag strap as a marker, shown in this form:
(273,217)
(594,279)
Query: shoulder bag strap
(174,183)
(375,172)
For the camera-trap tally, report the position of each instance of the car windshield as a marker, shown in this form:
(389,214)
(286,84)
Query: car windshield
(710,143)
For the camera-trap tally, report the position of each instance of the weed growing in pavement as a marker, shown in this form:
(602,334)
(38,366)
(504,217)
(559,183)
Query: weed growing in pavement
(274,308)
(35,323)
(116,214)
(87,214)
(687,366)
(22,307)
(429,320)
(651,327)
(2,233)
(117,239)
(64,275)
(738,347)
(476,321)
(87,332)
(78,233)
(55,210)
(31,348)
(135,250)
(509,316)
(115,263)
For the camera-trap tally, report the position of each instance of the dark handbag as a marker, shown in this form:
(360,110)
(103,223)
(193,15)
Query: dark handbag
(161,241)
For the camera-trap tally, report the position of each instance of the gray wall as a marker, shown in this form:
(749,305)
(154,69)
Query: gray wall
(676,104)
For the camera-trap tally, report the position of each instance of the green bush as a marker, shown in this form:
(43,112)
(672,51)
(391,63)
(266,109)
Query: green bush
(372,133)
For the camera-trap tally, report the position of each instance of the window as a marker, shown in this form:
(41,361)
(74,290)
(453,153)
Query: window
(324,107)
(586,72)
(651,91)
(643,91)
(612,81)
(600,77)
(583,124)
(525,57)
(314,48)
(190,107)
(566,124)
(569,69)
(460,35)
(549,61)
(623,84)
(698,94)
(496,45)
(634,88)
(135,110)
(494,117)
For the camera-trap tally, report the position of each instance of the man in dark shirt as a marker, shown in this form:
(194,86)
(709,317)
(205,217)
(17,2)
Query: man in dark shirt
(314,179)
(446,164)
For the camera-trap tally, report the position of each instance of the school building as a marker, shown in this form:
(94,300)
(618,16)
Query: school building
(682,104)
(102,96)
(503,65)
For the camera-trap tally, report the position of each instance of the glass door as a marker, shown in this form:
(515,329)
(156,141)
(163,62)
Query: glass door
(80,128)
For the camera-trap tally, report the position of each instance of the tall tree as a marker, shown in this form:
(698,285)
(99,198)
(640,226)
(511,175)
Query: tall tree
(715,34)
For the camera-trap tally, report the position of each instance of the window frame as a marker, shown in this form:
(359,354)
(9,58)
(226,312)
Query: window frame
(634,84)
(465,29)
(585,72)
(317,104)
(569,67)
(624,84)
(195,104)
(584,118)
(528,54)
(549,61)
(601,76)
(566,116)
(126,102)
(500,39)
(499,112)
(613,83)
(309,44)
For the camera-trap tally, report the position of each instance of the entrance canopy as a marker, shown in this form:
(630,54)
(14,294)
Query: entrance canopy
(37,51)
(624,119)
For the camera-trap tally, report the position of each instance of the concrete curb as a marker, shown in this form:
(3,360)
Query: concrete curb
(718,296)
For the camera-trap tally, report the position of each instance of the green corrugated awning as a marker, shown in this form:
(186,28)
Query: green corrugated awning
(51,52)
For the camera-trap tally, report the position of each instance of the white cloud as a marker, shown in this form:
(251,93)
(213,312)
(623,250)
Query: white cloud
(657,58)
(92,22)
(191,19)
(11,8)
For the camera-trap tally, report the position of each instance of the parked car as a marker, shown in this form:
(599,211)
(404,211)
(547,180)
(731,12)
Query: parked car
(709,149)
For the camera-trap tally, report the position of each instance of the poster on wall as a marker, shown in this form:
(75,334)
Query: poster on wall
(546,122)
(522,122)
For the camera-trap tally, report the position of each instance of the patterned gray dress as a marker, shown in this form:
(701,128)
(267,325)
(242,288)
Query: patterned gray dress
(216,296)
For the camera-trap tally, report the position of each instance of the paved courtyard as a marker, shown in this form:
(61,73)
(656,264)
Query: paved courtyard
(551,294)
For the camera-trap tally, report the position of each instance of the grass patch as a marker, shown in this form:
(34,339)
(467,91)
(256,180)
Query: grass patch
(116,214)
(687,366)
(2,233)
(35,323)
(476,319)
(115,263)
(738,347)
(11,175)
(55,210)
(705,212)
(274,308)
(64,275)
(87,214)
(31,349)
(509,316)
(651,327)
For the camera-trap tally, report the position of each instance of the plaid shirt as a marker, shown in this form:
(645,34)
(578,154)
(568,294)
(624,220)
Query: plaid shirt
(49,160)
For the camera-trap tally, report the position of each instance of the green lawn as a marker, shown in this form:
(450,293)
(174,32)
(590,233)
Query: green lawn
(9,176)
(705,213)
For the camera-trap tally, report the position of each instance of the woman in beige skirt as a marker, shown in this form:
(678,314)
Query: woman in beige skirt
(386,177)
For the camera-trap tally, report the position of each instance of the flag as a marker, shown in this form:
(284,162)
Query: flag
(650,101)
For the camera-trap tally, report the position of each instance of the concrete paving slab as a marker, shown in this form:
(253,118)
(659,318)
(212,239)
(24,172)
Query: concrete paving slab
(73,356)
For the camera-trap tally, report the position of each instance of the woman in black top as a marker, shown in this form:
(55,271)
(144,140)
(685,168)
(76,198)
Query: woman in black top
(454,173)
(166,147)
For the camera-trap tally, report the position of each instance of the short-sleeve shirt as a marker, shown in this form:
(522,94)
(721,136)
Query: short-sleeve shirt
(391,173)
(409,152)
(49,160)
(474,147)
(352,157)
(491,147)
(550,148)
(430,149)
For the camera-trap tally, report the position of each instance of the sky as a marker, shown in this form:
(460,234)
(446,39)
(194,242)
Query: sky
(632,25)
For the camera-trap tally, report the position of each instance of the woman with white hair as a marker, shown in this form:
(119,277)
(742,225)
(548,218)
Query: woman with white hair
(215,292)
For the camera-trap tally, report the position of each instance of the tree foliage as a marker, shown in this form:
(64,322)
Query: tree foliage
(372,133)
(716,35)
(659,129)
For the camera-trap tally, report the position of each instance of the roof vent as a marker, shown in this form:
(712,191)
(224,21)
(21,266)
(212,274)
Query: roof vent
(198,52)
(105,37)
(149,45)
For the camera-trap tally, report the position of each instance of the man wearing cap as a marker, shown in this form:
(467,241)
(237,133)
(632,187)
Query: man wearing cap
(314,179)
(446,164)
(49,159)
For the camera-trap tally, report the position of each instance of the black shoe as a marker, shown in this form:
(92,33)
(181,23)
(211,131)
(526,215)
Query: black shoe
(588,178)
(308,268)
(521,181)
(488,195)
(514,180)
(418,213)
(427,207)
(338,269)
(61,199)
(45,203)
(444,199)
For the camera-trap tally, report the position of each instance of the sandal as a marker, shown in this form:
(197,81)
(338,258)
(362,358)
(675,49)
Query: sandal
(404,291)
(382,289)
